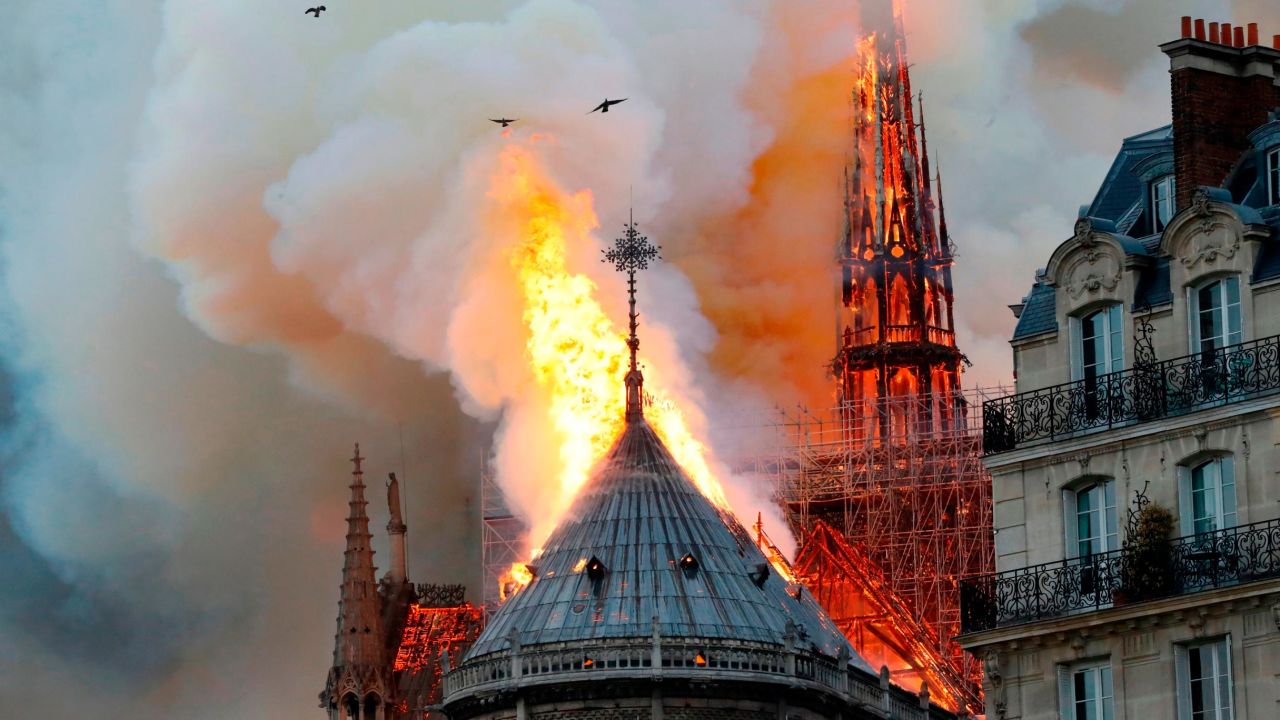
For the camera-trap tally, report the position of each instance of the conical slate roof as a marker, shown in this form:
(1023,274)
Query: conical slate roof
(641,542)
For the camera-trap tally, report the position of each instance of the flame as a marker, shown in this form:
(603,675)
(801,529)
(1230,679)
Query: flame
(514,580)
(576,354)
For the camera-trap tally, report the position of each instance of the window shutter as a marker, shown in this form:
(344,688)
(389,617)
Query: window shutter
(1069,525)
(1184,500)
(1066,693)
(1183,671)
(1228,501)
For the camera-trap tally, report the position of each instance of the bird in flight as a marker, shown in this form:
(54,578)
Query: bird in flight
(604,106)
(504,121)
(315,11)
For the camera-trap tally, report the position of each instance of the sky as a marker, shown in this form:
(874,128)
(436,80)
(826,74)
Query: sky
(234,240)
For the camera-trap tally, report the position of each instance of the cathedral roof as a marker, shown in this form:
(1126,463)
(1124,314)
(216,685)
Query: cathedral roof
(641,545)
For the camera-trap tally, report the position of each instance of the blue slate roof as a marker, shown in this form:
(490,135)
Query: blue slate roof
(1039,314)
(639,515)
(1122,192)
(1122,200)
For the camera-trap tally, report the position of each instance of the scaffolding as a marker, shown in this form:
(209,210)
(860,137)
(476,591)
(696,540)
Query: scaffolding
(915,503)
(502,536)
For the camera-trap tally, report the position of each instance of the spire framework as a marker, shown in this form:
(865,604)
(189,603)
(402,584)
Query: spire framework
(630,253)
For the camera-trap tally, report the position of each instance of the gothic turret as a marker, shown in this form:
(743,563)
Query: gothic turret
(358,683)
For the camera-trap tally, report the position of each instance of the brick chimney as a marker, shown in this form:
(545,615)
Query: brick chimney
(1224,84)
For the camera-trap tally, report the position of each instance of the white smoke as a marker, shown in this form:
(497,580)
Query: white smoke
(237,238)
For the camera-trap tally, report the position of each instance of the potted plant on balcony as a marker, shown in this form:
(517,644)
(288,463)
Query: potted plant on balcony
(1147,561)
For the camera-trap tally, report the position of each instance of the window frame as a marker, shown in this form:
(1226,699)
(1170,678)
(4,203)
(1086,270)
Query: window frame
(1104,704)
(1272,165)
(1108,536)
(1230,335)
(1112,335)
(1225,495)
(1223,681)
(1169,201)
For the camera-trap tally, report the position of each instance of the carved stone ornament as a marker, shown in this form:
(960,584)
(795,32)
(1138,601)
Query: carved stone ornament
(991,667)
(1213,240)
(1094,272)
(1084,233)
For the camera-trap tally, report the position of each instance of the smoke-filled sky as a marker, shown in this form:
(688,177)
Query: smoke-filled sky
(235,239)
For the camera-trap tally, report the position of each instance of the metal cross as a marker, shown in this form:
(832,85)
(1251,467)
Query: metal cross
(630,253)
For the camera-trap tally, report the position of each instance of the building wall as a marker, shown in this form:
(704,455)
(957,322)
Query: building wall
(1138,641)
(1093,269)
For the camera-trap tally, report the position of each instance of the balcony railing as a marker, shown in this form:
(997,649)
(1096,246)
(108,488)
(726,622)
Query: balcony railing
(1161,389)
(1195,563)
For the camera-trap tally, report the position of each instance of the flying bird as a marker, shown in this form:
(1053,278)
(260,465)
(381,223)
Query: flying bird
(504,121)
(315,11)
(604,106)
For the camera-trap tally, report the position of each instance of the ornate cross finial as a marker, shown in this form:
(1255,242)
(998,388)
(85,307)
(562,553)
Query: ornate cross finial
(630,253)
(357,460)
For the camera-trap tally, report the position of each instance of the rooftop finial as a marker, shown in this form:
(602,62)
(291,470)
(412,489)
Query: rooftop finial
(630,253)
(357,460)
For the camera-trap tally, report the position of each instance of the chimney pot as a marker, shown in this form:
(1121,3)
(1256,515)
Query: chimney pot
(1253,34)
(1226,33)
(1199,28)
(1275,42)
(1214,37)
(1239,36)
(1186,26)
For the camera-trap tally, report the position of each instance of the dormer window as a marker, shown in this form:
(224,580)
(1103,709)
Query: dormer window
(1162,202)
(1273,177)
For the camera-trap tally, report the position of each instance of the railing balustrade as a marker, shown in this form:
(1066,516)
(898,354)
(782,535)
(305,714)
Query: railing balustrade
(1143,393)
(1195,563)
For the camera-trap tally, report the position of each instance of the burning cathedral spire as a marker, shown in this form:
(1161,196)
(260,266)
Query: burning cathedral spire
(897,337)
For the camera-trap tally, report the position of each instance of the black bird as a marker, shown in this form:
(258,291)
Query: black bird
(315,11)
(604,106)
(504,121)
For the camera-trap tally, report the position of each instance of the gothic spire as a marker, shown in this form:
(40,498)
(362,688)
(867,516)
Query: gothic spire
(359,619)
(630,253)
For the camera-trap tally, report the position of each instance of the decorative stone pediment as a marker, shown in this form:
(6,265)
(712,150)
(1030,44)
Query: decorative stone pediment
(1209,234)
(1089,266)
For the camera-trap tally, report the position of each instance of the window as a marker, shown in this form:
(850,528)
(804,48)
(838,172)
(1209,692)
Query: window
(1273,177)
(1091,519)
(1215,315)
(1162,202)
(1084,692)
(1100,348)
(1204,680)
(1207,496)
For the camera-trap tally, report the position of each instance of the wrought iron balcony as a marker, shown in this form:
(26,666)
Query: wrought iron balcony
(1194,563)
(1145,392)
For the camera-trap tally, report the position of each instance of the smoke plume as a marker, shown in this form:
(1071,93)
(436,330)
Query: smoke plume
(237,239)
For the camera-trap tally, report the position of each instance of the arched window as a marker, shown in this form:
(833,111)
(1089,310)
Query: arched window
(1090,518)
(1207,495)
(1215,314)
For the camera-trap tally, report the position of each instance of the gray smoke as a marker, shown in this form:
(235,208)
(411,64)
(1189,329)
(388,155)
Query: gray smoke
(234,240)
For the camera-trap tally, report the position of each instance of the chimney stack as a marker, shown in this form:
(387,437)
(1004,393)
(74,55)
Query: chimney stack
(1222,89)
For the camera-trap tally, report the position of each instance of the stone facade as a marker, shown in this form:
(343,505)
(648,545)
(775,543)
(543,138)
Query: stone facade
(1062,630)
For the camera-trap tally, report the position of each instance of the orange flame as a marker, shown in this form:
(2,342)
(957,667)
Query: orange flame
(577,354)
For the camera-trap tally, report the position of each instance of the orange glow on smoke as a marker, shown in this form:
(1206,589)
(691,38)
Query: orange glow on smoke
(576,354)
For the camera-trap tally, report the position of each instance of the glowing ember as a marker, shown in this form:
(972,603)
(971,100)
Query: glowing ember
(577,355)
